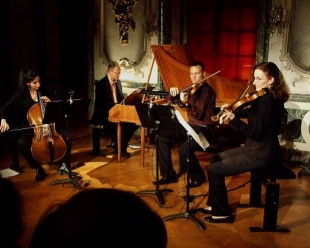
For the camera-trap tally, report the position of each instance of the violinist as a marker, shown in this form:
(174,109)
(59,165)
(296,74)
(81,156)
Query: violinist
(14,113)
(261,148)
(200,106)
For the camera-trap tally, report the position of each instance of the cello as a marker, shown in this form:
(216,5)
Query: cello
(47,145)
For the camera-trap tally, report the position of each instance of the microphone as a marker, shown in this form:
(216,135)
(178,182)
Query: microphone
(153,105)
(71,92)
(155,93)
(172,114)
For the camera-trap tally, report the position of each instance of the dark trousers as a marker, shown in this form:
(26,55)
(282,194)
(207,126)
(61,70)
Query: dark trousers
(229,163)
(164,157)
(128,129)
(196,172)
(164,153)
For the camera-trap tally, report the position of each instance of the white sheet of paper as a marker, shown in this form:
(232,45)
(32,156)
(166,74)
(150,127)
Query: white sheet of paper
(199,138)
(8,173)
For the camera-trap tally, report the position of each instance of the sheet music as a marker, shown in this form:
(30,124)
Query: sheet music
(199,138)
(8,173)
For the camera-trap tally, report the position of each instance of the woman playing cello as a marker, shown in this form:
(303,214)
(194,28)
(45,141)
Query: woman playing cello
(14,113)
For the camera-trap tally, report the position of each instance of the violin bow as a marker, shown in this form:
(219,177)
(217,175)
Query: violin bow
(202,80)
(25,128)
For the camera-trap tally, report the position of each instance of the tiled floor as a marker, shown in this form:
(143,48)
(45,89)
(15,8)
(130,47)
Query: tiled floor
(105,171)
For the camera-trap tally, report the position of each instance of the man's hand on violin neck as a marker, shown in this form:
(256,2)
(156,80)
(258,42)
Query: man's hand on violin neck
(174,91)
(183,97)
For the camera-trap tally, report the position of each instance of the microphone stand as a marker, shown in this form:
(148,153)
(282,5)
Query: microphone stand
(158,192)
(70,179)
(189,214)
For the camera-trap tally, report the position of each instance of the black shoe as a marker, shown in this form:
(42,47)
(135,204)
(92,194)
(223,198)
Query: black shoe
(41,174)
(194,184)
(125,154)
(166,180)
(228,219)
(204,210)
(64,170)
(112,145)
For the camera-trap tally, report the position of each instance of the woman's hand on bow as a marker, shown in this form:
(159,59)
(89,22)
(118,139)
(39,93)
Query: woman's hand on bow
(45,99)
(4,126)
(226,116)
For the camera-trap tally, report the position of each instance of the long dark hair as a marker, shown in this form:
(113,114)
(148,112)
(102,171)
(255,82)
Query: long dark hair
(27,75)
(279,87)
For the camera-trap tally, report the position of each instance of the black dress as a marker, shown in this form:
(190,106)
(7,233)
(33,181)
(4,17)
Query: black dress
(15,112)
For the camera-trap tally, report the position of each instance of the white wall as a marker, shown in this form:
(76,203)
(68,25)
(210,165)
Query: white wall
(299,84)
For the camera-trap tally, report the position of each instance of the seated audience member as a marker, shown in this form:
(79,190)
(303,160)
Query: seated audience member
(100,217)
(261,148)
(11,209)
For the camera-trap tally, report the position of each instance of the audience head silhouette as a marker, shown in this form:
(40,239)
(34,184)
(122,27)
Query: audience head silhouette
(100,218)
(11,209)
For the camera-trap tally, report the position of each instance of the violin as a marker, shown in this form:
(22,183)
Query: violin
(47,145)
(241,102)
(193,88)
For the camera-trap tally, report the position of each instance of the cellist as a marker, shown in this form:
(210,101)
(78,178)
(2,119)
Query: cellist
(14,113)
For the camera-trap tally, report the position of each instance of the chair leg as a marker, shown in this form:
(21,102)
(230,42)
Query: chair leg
(255,194)
(96,140)
(270,210)
(271,206)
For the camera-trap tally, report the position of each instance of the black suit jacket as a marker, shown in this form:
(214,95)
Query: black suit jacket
(104,100)
(264,122)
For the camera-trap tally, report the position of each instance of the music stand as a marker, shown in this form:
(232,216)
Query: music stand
(201,140)
(62,110)
(151,116)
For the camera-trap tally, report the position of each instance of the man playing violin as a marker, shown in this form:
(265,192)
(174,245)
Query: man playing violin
(200,106)
(14,114)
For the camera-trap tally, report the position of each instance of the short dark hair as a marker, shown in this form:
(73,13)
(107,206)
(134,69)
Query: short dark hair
(92,216)
(112,65)
(198,63)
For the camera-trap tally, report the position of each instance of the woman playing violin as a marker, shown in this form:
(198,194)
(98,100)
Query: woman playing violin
(14,113)
(261,148)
